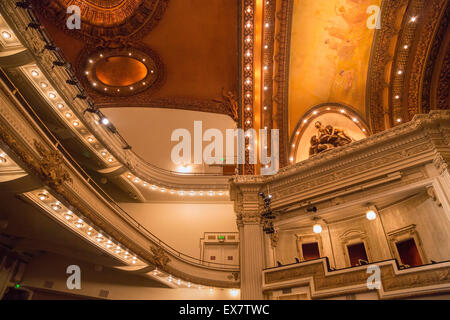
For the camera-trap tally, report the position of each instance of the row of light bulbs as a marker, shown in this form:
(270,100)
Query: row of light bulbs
(47,91)
(248,88)
(315,113)
(131,88)
(370,215)
(248,47)
(400,71)
(174,192)
(70,218)
(179,282)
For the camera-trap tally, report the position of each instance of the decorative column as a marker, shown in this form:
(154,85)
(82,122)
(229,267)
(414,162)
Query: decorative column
(271,242)
(251,240)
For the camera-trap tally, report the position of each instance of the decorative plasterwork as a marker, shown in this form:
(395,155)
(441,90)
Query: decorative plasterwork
(395,283)
(281,73)
(75,191)
(429,26)
(248,78)
(60,107)
(436,82)
(267,63)
(110,145)
(81,226)
(354,236)
(380,156)
(51,169)
(403,234)
(396,98)
(88,71)
(399,69)
(109,24)
(376,106)
(317,111)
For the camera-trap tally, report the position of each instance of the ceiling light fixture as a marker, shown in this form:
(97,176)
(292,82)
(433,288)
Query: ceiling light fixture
(6,35)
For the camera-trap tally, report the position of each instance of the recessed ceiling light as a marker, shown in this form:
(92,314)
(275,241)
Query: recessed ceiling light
(34,73)
(6,35)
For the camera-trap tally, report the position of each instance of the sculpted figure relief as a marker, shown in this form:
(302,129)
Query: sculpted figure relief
(328,138)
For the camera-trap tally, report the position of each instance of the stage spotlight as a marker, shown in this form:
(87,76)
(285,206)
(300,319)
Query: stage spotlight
(72,82)
(80,96)
(33,25)
(25,4)
(58,64)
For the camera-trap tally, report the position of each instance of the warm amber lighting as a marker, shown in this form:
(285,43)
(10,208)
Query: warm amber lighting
(317,228)
(120,71)
(371,215)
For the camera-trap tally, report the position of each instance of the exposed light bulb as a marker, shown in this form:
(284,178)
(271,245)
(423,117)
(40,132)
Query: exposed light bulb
(371,215)
(317,228)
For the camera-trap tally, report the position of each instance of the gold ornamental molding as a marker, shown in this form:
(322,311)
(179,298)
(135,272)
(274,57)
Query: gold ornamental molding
(108,147)
(434,10)
(376,107)
(27,144)
(436,82)
(377,159)
(397,99)
(324,282)
(280,67)
(106,23)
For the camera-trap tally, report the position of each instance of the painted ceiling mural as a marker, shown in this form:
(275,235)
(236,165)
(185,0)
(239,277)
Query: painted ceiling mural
(330,53)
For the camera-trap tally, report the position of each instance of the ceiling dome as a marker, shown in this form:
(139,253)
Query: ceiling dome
(104,12)
(106,21)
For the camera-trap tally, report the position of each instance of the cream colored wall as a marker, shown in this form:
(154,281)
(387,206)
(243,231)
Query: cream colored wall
(430,220)
(149,131)
(121,285)
(181,225)
(431,223)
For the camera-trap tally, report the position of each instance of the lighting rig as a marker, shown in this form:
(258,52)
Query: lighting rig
(61,61)
(268,215)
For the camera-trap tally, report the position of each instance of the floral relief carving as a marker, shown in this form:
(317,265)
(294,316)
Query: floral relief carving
(51,166)
(160,257)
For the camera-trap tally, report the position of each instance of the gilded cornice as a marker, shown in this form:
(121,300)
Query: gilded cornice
(423,46)
(281,74)
(437,69)
(28,144)
(18,20)
(115,26)
(424,139)
(379,61)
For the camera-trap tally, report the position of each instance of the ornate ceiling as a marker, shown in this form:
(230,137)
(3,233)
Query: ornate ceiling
(107,22)
(169,53)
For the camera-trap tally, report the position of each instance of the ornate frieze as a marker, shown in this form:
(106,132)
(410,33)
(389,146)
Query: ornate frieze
(424,42)
(111,24)
(160,257)
(51,167)
(378,157)
(329,283)
(380,58)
